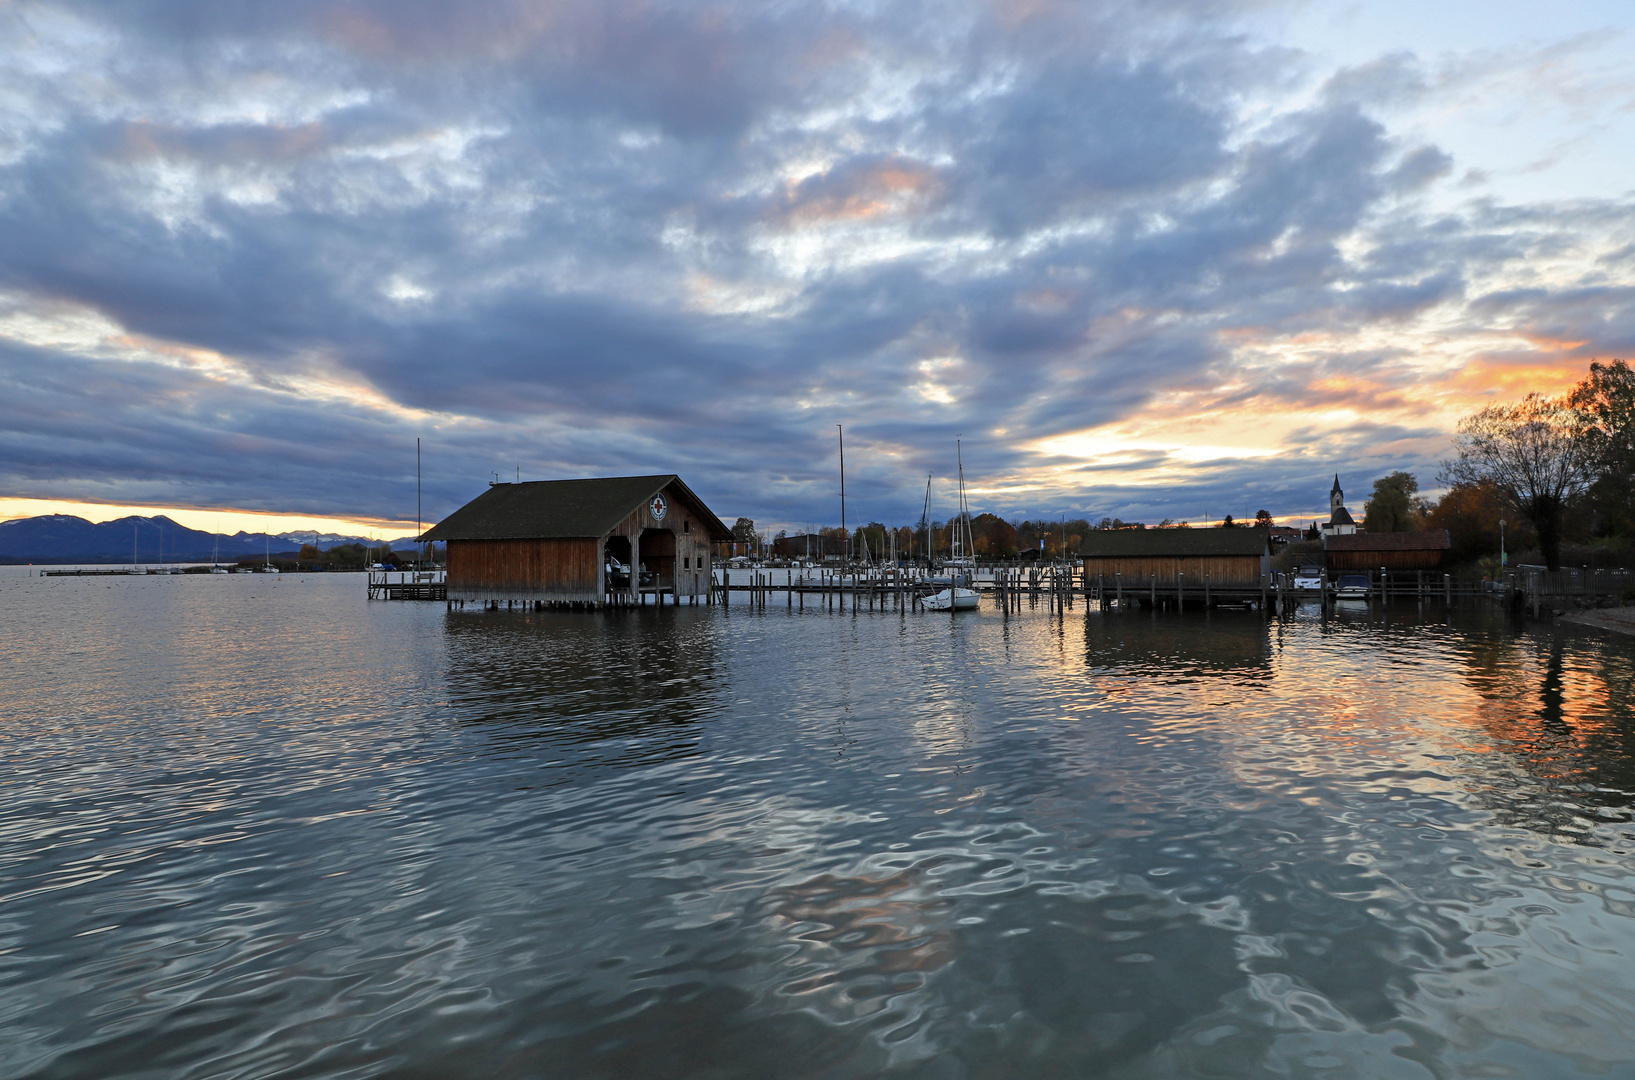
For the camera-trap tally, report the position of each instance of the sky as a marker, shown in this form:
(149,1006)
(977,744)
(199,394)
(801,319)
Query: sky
(1175,259)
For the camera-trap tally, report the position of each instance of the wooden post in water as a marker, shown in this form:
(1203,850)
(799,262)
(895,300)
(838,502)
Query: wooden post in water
(1206,592)
(1180,590)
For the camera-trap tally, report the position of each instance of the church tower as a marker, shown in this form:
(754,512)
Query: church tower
(1340,522)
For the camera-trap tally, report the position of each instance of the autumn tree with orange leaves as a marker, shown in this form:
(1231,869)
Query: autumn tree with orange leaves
(1539,454)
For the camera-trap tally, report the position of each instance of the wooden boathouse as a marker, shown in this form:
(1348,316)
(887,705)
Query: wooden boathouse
(1184,565)
(611,541)
(1391,551)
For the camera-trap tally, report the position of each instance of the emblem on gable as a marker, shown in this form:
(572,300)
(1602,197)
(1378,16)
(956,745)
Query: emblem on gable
(658,506)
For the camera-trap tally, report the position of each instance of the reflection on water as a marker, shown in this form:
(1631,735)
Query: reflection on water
(597,692)
(264,828)
(1222,643)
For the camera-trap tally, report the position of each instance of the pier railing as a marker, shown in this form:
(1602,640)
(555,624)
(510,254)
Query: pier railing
(408,585)
(1531,588)
(1536,587)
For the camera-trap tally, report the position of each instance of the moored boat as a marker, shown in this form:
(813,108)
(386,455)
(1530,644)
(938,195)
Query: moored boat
(953,600)
(1351,587)
(1309,579)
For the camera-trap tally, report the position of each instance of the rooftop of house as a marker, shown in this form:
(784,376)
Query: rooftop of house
(564,509)
(1136,543)
(1430,540)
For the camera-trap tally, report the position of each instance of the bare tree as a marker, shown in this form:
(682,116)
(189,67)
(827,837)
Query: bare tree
(1539,453)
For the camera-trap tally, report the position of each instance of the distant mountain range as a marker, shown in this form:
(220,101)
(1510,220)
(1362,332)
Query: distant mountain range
(63,538)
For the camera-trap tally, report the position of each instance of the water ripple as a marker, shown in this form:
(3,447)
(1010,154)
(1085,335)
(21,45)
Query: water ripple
(261,829)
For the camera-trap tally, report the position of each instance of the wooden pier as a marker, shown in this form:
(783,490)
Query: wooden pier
(407,585)
(1527,590)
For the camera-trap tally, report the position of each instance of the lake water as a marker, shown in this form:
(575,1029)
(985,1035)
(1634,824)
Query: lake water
(260,827)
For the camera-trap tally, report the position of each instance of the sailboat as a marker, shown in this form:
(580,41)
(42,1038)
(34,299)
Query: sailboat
(215,553)
(959,596)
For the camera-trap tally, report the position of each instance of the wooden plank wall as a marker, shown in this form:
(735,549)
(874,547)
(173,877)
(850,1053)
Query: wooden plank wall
(1225,571)
(544,569)
(1363,561)
(687,567)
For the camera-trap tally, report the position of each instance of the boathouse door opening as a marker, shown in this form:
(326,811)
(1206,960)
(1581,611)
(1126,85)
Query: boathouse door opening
(617,551)
(658,557)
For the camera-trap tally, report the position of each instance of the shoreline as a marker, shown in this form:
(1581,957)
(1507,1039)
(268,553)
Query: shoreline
(1616,620)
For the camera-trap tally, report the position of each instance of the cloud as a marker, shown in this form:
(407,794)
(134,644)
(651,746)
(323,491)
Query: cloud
(252,252)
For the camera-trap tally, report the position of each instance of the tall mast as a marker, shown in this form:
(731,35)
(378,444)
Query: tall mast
(845,537)
(964,510)
(925,521)
(419,544)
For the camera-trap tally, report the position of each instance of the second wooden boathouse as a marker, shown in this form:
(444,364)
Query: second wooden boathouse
(1390,551)
(593,542)
(1207,565)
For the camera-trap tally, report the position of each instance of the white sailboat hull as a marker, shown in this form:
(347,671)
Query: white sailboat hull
(953,600)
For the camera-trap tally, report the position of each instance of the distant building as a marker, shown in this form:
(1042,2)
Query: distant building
(612,540)
(1339,521)
(806,546)
(1394,551)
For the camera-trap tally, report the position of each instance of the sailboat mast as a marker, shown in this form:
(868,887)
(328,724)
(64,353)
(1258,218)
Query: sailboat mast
(925,521)
(845,537)
(419,528)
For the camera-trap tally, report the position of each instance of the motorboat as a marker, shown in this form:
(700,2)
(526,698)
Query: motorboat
(1308,579)
(955,599)
(1351,587)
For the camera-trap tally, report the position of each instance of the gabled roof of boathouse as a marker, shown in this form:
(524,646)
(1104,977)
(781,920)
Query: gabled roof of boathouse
(1147,543)
(565,509)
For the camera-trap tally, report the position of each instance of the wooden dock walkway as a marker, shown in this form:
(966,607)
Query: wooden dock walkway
(1530,590)
(407,585)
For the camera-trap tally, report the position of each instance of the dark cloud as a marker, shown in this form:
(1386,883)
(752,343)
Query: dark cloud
(608,237)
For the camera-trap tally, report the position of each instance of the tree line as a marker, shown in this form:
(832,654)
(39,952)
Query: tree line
(1560,467)
(992,537)
(1557,472)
